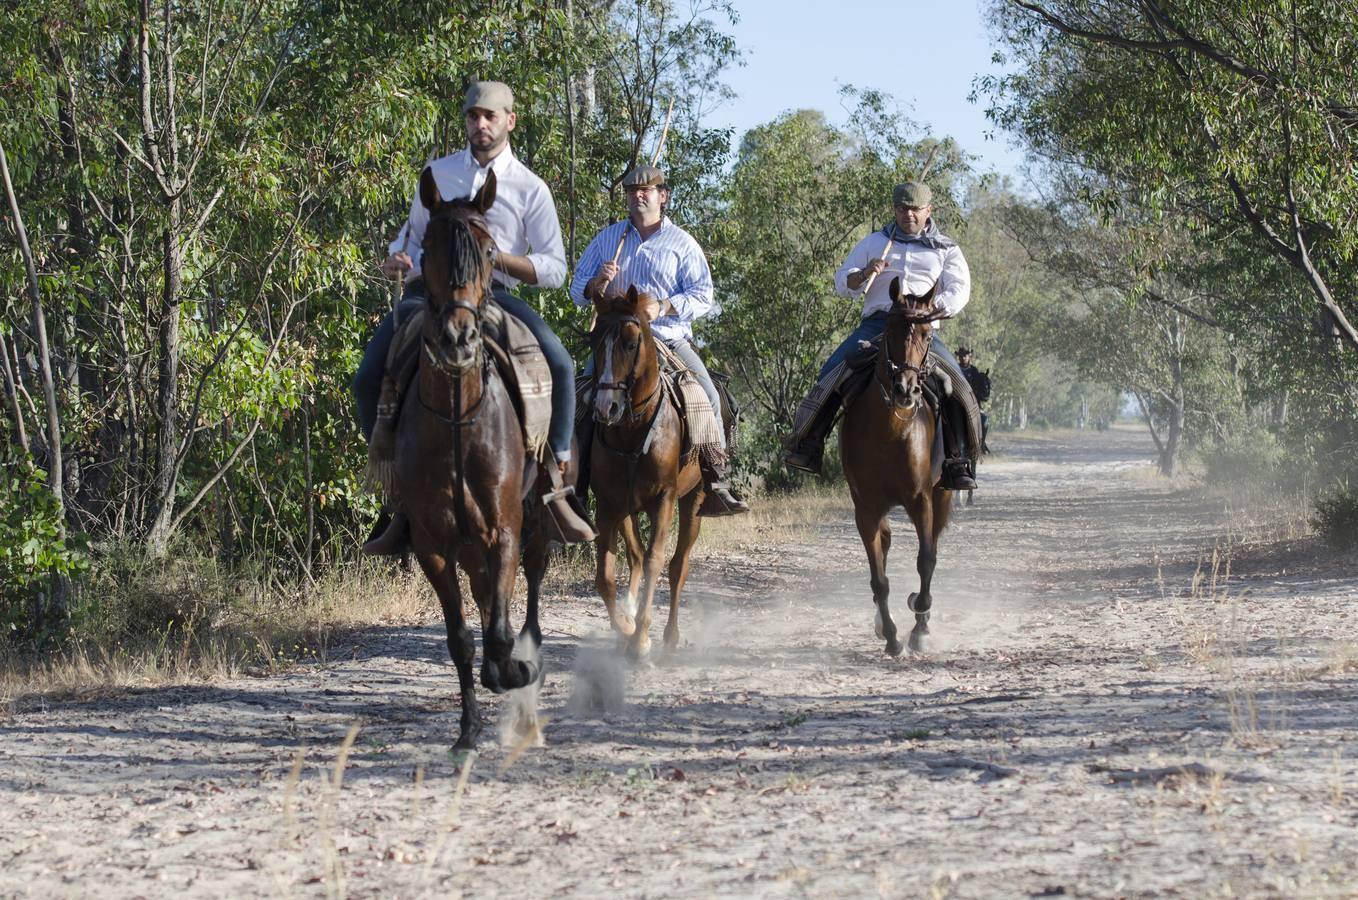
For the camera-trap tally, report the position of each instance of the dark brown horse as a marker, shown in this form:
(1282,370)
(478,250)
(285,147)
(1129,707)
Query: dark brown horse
(461,473)
(887,445)
(636,465)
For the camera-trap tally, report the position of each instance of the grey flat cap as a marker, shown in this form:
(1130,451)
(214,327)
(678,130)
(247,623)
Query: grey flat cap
(489,95)
(644,176)
(912,193)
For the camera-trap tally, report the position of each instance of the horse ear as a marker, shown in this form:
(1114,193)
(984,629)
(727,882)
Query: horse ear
(429,190)
(486,196)
(928,296)
(894,289)
(633,298)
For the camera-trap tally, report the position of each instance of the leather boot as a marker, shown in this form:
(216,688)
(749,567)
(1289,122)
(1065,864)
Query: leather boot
(571,523)
(807,453)
(721,499)
(390,535)
(958,472)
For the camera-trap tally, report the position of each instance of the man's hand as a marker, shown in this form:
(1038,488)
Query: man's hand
(657,308)
(397,264)
(598,285)
(876,267)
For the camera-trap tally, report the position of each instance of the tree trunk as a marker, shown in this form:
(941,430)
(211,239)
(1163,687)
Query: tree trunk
(167,395)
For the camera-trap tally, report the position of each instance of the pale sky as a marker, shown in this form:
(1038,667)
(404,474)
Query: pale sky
(925,54)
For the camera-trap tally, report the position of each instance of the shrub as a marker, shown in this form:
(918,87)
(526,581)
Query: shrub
(1337,518)
(35,553)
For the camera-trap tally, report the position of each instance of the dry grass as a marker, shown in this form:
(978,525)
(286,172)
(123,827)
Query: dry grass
(186,625)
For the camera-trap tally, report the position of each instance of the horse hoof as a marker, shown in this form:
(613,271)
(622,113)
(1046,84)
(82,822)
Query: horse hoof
(919,641)
(626,626)
(671,641)
(466,742)
(639,650)
(490,678)
(894,647)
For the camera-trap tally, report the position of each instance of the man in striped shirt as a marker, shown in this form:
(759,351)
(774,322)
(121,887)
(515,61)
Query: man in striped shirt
(661,259)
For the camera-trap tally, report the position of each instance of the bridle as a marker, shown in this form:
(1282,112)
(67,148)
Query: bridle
(634,411)
(894,369)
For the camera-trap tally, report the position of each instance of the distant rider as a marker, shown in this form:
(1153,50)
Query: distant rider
(918,254)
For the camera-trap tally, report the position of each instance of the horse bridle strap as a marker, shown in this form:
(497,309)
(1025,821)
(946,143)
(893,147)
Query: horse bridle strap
(634,410)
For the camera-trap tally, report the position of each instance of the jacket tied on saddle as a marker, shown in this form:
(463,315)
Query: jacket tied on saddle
(517,356)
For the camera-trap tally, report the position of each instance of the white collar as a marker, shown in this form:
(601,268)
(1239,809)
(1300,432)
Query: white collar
(498,162)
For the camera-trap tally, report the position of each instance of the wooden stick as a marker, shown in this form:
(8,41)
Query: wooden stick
(885,250)
(928,162)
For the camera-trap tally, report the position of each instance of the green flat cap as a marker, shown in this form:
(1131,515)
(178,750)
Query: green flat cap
(489,95)
(912,193)
(644,176)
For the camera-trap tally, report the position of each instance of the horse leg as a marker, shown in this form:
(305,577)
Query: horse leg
(605,577)
(875,531)
(631,540)
(689,524)
(461,646)
(500,671)
(661,513)
(929,512)
(535,557)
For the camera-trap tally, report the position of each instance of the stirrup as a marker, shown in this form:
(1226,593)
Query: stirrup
(804,460)
(721,501)
(393,540)
(957,476)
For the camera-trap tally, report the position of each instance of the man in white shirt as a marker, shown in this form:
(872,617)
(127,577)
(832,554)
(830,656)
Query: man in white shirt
(527,235)
(661,259)
(910,248)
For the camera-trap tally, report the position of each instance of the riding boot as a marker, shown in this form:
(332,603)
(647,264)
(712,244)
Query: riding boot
(569,518)
(721,499)
(959,474)
(390,535)
(806,454)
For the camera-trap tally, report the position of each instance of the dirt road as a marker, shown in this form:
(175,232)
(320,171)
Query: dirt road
(780,753)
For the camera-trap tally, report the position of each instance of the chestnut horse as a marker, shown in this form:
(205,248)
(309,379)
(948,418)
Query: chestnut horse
(636,465)
(461,468)
(887,446)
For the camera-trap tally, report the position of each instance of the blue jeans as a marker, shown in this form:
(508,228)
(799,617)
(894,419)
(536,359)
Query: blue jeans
(368,379)
(867,330)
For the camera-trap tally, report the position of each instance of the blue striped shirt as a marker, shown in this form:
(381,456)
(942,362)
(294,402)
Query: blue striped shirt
(669,265)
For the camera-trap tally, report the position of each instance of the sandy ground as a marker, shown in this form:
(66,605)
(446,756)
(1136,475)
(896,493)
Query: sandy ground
(780,752)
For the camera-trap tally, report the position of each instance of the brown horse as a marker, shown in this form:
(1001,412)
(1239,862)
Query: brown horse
(461,471)
(887,445)
(636,465)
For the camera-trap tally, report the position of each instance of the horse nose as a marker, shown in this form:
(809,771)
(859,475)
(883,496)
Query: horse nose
(459,335)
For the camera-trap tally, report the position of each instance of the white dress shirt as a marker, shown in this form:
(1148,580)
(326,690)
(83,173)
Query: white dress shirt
(522,219)
(668,265)
(919,261)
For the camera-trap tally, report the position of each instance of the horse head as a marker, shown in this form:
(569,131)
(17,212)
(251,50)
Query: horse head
(626,368)
(458,251)
(905,343)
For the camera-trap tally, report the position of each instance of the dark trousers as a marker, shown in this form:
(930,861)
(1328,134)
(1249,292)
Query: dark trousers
(368,379)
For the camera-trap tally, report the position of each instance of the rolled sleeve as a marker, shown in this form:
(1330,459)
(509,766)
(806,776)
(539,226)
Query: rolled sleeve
(547,253)
(695,277)
(955,283)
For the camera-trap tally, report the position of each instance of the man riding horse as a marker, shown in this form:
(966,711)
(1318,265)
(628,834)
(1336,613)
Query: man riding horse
(663,260)
(527,234)
(912,249)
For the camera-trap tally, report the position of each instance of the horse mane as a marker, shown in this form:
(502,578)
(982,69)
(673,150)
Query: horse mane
(465,256)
